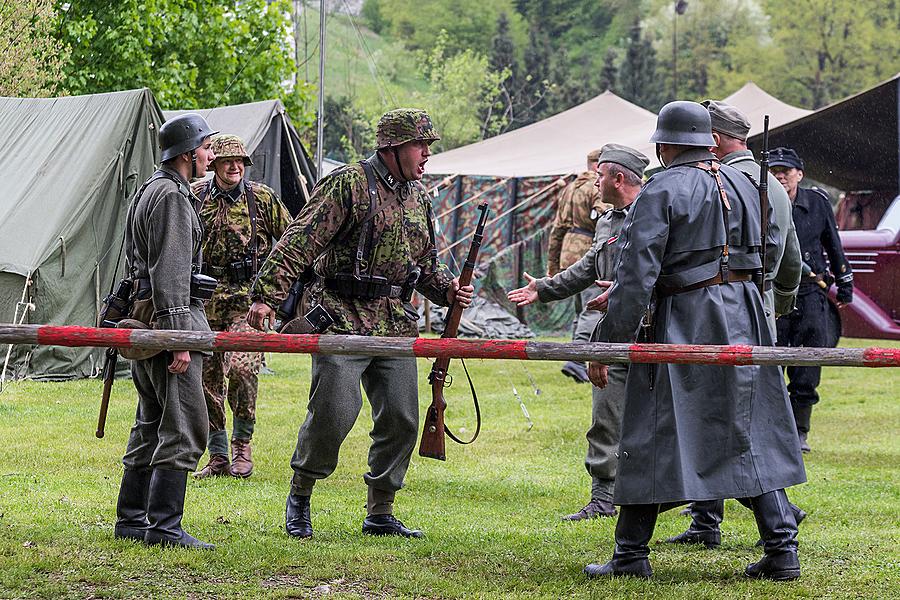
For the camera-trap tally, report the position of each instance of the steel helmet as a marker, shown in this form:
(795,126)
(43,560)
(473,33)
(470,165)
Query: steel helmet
(182,134)
(683,123)
(401,125)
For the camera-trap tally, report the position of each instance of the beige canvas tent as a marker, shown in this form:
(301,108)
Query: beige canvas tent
(558,145)
(756,103)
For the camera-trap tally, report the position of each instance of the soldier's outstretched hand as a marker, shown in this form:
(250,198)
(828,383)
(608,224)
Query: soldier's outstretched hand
(463,295)
(601,302)
(261,316)
(524,296)
(598,373)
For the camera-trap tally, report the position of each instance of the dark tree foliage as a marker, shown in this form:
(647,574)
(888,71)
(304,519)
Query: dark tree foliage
(347,133)
(535,77)
(610,72)
(639,79)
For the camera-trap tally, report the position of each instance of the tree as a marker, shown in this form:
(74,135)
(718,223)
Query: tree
(190,54)
(638,75)
(503,60)
(461,86)
(32,58)
(535,78)
(830,49)
(348,132)
(610,72)
(565,90)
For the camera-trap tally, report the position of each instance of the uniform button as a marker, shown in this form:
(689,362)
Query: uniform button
(625,455)
(617,455)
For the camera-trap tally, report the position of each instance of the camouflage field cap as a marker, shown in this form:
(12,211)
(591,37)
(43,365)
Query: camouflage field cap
(401,125)
(228,145)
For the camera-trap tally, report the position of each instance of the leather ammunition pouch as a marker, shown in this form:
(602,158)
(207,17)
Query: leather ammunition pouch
(364,287)
(582,231)
(316,320)
(237,271)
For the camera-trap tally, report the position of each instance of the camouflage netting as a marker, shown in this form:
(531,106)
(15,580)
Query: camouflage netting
(515,242)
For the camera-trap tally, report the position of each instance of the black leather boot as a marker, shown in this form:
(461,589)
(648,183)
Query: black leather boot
(165,509)
(297,521)
(704,528)
(131,508)
(799,515)
(803,416)
(778,530)
(633,533)
(388,525)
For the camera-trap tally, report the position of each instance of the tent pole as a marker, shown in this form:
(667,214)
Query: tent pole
(25,306)
(320,120)
(290,143)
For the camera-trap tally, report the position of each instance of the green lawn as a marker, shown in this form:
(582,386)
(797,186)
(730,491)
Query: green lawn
(491,513)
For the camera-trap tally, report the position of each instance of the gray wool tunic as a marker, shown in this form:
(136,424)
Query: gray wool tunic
(697,432)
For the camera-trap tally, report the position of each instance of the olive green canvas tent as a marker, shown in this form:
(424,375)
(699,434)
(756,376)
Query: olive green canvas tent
(69,166)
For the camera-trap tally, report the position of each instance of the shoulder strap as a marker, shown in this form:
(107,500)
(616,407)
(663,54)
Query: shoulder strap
(429,216)
(129,218)
(251,208)
(713,170)
(364,244)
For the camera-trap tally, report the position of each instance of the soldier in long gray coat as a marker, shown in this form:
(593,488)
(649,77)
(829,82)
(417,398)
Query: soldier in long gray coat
(620,175)
(163,237)
(730,129)
(697,432)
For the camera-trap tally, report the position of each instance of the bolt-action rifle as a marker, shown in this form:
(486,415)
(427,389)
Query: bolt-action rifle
(115,308)
(432,445)
(764,204)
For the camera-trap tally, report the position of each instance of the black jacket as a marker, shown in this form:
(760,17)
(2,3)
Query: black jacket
(818,235)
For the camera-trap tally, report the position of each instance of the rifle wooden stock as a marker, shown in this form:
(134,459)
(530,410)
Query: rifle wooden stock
(764,204)
(109,376)
(434,430)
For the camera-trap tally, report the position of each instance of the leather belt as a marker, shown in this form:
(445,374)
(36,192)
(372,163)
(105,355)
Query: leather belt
(363,290)
(663,291)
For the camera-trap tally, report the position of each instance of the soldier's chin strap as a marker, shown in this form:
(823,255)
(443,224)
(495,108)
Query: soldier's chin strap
(659,157)
(399,164)
(194,164)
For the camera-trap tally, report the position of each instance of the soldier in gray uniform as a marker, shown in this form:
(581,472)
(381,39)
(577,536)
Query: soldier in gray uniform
(690,247)
(162,237)
(730,129)
(620,175)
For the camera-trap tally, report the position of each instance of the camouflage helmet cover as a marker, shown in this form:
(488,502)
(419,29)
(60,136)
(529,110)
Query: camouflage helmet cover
(401,125)
(228,145)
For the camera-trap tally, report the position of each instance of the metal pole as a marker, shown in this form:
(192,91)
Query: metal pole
(675,53)
(320,120)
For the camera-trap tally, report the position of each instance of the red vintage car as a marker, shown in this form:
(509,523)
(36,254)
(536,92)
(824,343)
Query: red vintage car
(875,258)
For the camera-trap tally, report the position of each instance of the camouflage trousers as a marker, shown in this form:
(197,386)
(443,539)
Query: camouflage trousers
(241,369)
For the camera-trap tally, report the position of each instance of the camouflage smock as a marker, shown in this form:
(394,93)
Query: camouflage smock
(325,234)
(573,229)
(226,220)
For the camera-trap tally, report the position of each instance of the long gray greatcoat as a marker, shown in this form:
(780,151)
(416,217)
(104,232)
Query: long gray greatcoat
(699,432)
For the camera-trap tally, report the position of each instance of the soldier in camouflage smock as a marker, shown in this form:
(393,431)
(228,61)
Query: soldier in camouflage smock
(367,235)
(229,206)
(579,207)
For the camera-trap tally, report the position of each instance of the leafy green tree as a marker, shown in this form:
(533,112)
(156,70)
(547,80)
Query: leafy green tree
(461,87)
(347,131)
(190,54)
(533,94)
(829,49)
(371,12)
(639,75)
(610,72)
(32,58)
(565,90)
(470,24)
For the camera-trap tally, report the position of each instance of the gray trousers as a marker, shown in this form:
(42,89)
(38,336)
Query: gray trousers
(171,422)
(586,319)
(392,387)
(605,432)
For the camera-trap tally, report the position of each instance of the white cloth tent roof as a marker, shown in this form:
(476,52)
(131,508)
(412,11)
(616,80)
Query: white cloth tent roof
(756,103)
(558,145)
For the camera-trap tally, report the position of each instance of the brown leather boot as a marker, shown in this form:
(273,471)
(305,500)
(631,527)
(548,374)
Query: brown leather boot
(216,467)
(241,463)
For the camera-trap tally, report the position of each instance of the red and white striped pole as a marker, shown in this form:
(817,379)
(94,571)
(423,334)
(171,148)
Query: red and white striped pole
(52,335)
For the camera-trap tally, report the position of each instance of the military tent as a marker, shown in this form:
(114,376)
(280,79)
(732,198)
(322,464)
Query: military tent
(279,158)
(756,103)
(69,167)
(520,174)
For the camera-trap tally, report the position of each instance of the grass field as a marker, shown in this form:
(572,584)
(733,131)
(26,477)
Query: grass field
(491,513)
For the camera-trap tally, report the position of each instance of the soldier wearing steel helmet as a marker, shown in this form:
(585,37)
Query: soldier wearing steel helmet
(367,235)
(163,235)
(241,219)
(690,246)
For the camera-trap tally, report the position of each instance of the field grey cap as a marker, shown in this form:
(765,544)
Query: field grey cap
(629,158)
(727,119)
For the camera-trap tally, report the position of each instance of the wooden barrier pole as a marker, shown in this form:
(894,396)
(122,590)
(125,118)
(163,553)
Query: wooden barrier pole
(52,335)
